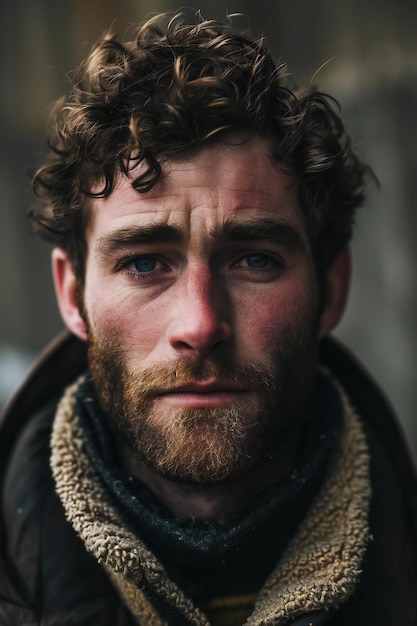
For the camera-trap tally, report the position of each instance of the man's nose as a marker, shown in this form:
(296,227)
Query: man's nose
(202,314)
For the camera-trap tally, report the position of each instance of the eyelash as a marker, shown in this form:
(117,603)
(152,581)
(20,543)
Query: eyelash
(123,266)
(273,260)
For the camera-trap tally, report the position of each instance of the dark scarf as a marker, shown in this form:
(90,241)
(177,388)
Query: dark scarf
(203,558)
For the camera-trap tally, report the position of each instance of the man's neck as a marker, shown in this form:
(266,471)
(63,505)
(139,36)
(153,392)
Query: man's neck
(222,503)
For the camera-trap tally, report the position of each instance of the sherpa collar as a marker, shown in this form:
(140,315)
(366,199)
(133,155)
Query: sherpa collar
(319,569)
(207,559)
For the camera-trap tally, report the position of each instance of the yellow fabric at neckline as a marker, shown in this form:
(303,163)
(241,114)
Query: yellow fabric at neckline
(229,610)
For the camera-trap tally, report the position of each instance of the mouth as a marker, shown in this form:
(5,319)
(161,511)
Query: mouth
(202,394)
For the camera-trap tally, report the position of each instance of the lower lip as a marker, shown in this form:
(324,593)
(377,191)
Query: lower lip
(193,400)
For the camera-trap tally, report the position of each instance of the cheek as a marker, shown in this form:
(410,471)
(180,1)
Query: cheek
(136,327)
(268,318)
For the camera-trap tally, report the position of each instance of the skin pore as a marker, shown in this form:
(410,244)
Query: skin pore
(201,313)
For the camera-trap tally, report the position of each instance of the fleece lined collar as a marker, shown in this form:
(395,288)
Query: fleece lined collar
(319,569)
(208,559)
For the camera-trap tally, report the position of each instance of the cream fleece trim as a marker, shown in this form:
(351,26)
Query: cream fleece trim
(319,569)
(91,512)
(322,564)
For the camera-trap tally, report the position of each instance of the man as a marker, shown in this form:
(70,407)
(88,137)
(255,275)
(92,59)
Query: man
(197,451)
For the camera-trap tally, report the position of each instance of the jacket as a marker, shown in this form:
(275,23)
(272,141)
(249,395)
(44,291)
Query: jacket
(47,577)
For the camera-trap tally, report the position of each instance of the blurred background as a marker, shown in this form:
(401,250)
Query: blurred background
(368,50)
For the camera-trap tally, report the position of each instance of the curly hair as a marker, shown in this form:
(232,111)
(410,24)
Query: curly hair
(181,84)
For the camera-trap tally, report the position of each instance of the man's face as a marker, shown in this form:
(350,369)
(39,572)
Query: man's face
(202,309)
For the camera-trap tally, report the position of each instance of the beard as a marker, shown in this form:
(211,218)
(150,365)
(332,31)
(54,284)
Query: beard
(210,445)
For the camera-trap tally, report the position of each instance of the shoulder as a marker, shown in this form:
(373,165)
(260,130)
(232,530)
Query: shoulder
(389,449)
(388,590)
(46,575)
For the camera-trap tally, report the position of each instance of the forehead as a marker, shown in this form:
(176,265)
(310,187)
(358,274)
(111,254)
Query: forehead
(234,181)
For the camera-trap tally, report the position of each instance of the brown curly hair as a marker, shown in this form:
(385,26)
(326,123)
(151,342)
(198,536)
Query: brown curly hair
(181,84)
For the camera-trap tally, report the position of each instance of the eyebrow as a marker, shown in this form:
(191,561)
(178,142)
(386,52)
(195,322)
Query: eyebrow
(127,238)
(275,231)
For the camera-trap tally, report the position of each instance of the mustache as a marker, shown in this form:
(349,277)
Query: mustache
(175,373)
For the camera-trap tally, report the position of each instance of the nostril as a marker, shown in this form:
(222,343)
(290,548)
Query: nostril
(200,339)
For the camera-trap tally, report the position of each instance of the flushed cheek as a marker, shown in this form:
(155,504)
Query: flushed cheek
(135,329)
(260,334)
(266,319)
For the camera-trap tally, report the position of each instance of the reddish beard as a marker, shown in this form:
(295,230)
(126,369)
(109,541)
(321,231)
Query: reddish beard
(205,445)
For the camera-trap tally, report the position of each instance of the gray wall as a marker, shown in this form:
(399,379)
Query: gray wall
(371,53)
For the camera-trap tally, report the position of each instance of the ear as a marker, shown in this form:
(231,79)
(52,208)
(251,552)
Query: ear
(337,289)
(66,292)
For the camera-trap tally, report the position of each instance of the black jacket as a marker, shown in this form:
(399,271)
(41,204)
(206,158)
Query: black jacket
(47,578)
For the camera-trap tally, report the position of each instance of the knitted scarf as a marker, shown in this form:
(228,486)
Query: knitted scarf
(318,570)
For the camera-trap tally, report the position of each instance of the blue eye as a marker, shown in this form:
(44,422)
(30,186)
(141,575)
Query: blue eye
(257,261)
(144,264)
